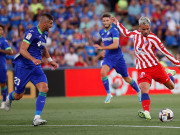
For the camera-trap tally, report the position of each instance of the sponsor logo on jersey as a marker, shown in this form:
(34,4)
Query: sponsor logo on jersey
(107,39)
(41,43)
(28,36)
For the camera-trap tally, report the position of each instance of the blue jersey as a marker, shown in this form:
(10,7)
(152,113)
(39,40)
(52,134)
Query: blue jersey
(3,46)
(37,41)
(107,38)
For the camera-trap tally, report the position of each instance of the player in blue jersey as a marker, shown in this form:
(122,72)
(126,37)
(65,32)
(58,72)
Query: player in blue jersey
(4,49)
(113,57)
(28,66)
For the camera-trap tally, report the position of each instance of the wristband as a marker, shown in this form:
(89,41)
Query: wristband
(49,59)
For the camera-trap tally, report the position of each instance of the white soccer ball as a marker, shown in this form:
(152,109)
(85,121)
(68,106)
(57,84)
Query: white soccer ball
(166,115)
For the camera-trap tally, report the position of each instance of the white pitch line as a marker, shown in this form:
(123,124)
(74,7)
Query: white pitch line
(93,126)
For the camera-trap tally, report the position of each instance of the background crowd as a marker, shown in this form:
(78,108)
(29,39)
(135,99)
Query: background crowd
(77,24)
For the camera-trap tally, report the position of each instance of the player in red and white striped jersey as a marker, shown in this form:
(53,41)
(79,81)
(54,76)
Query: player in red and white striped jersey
(145,44)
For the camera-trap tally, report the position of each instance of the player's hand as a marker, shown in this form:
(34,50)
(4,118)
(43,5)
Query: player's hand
(98,47)
(103,53)
(114,20)
(54,64)
(36,61)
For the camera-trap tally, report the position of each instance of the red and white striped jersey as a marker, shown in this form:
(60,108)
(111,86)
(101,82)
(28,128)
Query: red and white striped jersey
(145,48)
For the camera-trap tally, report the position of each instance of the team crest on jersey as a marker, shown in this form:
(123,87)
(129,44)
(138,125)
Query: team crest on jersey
(139,49)
(108,33)
(29,35)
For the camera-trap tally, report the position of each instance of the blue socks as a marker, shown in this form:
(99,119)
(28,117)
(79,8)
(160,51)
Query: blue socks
(134,85)
(11,96)
(4,93)
(40,102)
(145,96)
(172,78)
(106,84)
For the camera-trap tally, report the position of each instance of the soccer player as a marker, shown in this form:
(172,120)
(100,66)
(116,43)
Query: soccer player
(28,66)
(4,49)
(113,57)
(145,44)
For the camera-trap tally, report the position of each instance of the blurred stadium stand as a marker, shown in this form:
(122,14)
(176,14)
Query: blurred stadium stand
(77,23)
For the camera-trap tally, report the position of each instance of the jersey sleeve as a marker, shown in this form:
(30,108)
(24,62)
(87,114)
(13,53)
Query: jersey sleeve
(28,38)
(125,31)
(6,45)
(115,33)
(159,45)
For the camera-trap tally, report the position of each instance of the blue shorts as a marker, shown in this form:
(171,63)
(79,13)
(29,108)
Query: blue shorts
(118,64)
(24,75)
(3,75)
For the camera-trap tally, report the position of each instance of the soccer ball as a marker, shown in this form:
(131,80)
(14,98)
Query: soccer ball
(166,115)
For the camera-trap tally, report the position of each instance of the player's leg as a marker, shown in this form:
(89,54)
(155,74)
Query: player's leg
(104,71)
(21,78)
(4,92)
(14,95)
(144,83)
(121,68)
(134,85)
(145,100)
(170,73)
(43,89)
(169,84)
(40,81)
(166,77)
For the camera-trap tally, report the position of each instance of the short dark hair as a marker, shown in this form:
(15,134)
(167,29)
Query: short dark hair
(105,15)
(2,26)
(50,17)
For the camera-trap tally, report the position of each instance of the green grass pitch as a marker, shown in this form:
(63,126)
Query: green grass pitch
(91,116)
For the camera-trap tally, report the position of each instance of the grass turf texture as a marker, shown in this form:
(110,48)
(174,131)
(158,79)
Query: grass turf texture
(121,112)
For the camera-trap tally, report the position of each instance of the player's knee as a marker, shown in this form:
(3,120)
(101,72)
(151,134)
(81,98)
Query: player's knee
(127,79)
(18,96)
(2,85)
(144,89)
(171,87)
(103,74)
(44,89)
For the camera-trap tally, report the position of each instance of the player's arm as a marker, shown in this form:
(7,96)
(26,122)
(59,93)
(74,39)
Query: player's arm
(100,55)
(50,60)
(8,51)
(114,45)
(122,29)
(159,45)
(23,51)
